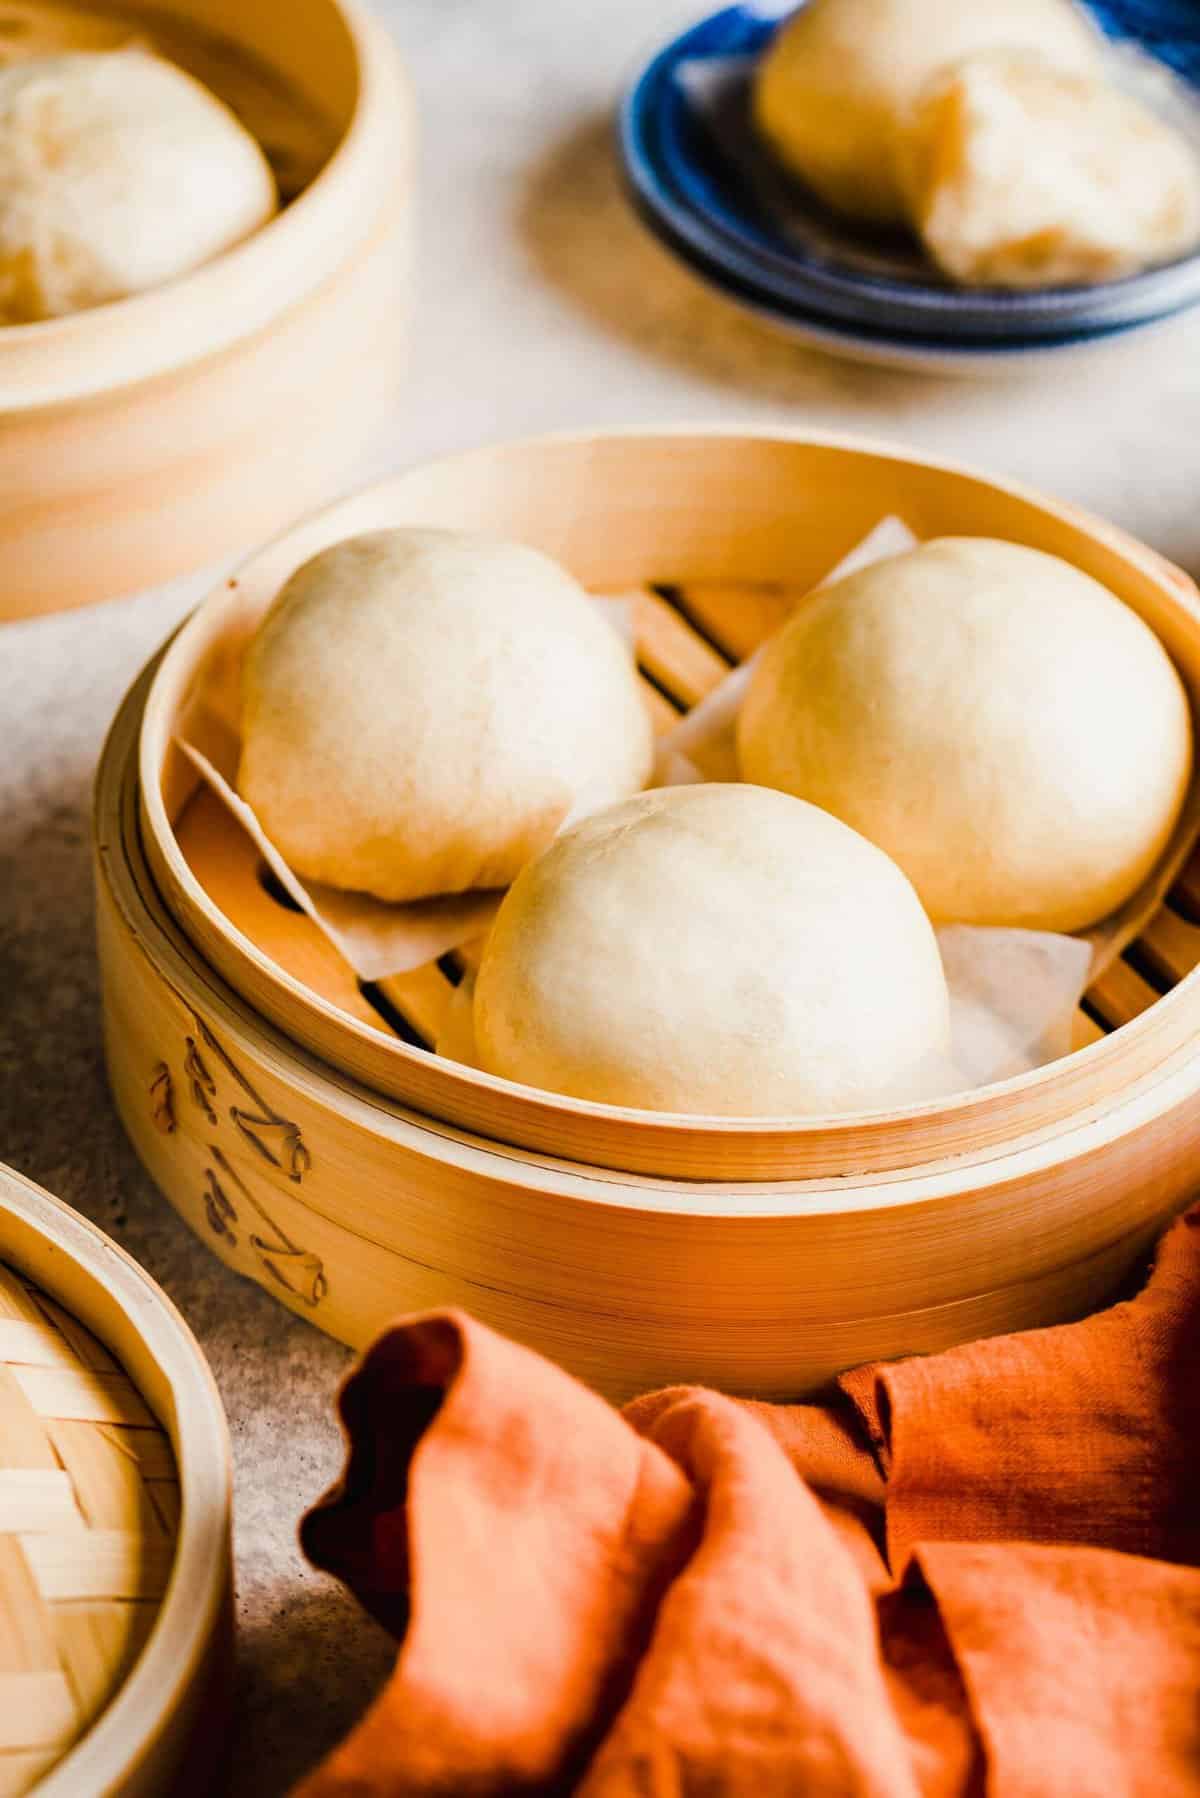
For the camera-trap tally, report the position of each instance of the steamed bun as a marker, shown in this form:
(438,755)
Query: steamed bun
(1019,174)
(118,172)
(714,948)
(422,709)
(1006,729)
(838,81)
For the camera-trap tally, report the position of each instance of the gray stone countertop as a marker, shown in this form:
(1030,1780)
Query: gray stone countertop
(540,304)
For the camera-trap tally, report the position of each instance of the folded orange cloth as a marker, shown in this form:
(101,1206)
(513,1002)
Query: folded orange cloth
(972,1573)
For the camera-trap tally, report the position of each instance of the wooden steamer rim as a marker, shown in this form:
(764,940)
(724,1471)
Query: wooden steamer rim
(139,1744)
(238,293)
(679,505)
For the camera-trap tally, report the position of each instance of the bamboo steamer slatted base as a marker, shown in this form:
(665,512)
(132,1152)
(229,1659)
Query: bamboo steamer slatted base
(150,436)
(114,1521)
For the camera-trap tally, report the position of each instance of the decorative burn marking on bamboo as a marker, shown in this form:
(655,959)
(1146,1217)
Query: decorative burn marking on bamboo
(162,1099)
(277,1139)
(217,1206)
(201,1084)
(289,1151)
(295,1269)
(230,1208)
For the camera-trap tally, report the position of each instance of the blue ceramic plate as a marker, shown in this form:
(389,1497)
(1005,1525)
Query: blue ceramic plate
(704,185)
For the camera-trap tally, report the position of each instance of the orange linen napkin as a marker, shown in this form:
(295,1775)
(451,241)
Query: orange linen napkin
(970,1574)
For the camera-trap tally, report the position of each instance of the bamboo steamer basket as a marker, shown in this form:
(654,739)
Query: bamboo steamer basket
(321,1149)
(147,437)
(115,1584)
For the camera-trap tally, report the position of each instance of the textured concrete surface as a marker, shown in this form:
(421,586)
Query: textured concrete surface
(540,305)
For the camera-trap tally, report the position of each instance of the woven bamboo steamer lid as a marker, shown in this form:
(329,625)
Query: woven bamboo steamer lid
(153,435)
(725,525)
(114,1520)
(351,1208)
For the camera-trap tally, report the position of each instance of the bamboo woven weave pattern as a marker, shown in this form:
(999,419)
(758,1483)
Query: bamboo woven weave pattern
(89,1508)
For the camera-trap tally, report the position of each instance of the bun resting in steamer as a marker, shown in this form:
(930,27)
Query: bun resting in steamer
(714,949)
(1019,174)
(838,81)
(1000,724)
(422,709)
(118,172)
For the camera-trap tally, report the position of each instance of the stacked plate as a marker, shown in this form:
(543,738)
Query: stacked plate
(709,191)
